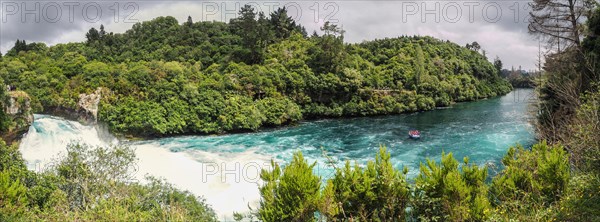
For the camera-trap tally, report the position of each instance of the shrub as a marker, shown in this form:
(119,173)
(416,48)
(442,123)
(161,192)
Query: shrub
(531,180)
(291,193)
(443,192)
(581,199)
(13,198)
(378,192)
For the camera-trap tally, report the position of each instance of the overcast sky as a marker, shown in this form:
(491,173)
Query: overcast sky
(500,27)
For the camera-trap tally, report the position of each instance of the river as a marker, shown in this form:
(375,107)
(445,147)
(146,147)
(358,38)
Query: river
(224,169)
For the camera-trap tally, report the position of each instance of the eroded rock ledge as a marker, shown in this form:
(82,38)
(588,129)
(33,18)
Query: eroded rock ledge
(85,112)
(18,108)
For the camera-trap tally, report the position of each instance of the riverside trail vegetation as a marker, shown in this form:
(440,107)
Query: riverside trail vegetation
(556,179)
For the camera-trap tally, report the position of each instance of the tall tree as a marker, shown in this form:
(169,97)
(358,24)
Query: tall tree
(561,24)
(265,34)
(591,44)
(246,26)
(283,25)
(102,33)
(189,21)
(559,21)
(419,66)
(92,35)
(20,45)
(328,54)
(498,64)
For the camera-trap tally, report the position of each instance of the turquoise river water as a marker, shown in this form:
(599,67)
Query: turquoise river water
(224,169)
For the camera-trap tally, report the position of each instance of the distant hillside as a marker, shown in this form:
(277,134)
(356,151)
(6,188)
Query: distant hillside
(162,78)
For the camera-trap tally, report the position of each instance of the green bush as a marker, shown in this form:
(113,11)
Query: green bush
(581,199)
(291,193)
(279,111)
(378,192)
(444,192)
(13,197)
(531,181)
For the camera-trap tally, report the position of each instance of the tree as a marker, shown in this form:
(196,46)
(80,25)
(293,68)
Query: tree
(247,27)
(189,21)
(473,46)
(102,33)
(328,53)
(498,64)
(419,66)
(591,45)
(92,35)
(559,21)
(332,29)
(265,34)
(283,24)
(20,45)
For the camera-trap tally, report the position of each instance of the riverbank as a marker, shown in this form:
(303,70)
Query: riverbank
(224,168)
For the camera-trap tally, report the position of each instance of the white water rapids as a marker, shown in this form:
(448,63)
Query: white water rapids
(228,181)
(225,169)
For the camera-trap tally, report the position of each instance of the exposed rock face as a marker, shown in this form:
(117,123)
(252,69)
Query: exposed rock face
(18,108)
(88,105)
(85,112)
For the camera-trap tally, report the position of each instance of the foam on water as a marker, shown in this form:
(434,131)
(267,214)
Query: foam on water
(224,169)
(228,181)
(49,136)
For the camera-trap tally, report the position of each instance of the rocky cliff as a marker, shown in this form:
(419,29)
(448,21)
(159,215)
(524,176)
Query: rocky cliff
(88,105)
(18,109)
(86,110)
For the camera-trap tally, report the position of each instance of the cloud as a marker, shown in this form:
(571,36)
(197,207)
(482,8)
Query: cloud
(499,26)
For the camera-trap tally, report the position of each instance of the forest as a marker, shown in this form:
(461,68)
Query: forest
(255,71)
(554,180)
(260,71)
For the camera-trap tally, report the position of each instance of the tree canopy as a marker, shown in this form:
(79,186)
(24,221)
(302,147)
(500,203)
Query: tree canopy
(168,78)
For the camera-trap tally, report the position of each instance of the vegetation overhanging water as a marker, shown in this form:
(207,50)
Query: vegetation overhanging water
(481,130)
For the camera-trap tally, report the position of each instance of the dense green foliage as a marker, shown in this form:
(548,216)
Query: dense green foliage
(531,180)
(529,188)
(291,193)
(569,114)
(445,193)
(163,78)
(90,184)
(5,120)
(376,192)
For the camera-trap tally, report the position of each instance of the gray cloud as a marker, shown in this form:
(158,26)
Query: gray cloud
(499,34)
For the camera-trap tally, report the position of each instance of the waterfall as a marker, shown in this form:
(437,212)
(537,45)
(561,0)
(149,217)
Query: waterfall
(49,136)
(227,180)
(225,169)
